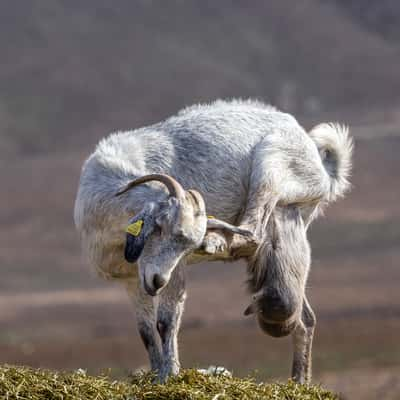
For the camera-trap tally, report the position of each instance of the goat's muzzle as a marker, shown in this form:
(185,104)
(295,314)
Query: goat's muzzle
(276,329)
(276,314)
(276,307)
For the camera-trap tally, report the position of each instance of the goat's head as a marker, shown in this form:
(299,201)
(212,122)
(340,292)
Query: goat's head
(278,272)
(165,231)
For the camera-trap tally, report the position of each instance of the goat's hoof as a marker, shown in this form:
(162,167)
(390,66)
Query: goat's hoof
(301,380)
(214,242)
(165,373)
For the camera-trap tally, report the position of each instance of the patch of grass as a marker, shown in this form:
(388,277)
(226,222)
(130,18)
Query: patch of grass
(34,384)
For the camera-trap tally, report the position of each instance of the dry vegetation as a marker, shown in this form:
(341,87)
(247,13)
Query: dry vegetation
(18,383)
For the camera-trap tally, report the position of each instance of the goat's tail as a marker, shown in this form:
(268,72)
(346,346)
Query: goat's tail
(335,148)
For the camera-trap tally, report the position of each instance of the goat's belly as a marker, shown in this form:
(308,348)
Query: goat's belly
(106,254)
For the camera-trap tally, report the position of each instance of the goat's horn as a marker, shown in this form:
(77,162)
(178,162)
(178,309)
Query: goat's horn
(197,197)
(174,188)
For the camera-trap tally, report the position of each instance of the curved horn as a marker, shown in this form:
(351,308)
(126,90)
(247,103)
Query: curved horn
(174,188)
(197,197)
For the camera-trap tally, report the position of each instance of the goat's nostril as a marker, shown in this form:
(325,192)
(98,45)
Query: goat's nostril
(158,281)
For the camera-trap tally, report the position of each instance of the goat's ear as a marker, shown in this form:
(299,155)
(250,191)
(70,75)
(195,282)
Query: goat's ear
(251,309)
(213,223)
(138,230)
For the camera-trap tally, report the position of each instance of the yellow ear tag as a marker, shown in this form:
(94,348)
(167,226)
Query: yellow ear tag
(210,217)
(135,228)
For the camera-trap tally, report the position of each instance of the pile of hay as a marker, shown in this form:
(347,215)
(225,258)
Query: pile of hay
(27,383)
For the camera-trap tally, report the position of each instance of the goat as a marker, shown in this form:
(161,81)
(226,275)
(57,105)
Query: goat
(257,170)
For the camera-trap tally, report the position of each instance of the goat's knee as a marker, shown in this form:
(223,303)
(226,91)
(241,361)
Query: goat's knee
(308,316)
(164,329)
(241,246)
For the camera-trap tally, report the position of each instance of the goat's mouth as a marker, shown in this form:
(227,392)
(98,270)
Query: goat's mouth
(277,329)
(273,318)
(274,307)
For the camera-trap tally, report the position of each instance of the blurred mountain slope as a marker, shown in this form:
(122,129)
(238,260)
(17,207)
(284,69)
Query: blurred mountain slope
(378,16)
(73,71)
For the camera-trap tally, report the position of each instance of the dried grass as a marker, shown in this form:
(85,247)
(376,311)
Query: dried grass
(34,384)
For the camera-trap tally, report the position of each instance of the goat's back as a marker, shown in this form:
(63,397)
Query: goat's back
(206,147)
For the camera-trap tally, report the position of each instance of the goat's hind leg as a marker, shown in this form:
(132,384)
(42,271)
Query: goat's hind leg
(169,314)
(262,196)
(259,207)
(302,342)
(146,322)
(270,183)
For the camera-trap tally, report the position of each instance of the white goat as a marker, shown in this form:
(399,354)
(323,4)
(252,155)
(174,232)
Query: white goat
(256,168)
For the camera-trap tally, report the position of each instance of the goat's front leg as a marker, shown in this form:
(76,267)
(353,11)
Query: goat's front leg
(169,313)
(146,322)
(302,341)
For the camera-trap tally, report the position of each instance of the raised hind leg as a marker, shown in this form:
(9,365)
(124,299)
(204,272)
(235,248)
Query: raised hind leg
(302,342)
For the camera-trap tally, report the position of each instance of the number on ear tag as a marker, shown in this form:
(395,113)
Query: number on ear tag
(135,228)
